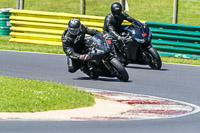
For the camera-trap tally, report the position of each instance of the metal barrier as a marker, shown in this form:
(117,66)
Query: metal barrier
(37,27)
(46,27)
(176,39)
(5,22)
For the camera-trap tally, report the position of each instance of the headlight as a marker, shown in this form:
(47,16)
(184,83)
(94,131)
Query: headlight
(140,40)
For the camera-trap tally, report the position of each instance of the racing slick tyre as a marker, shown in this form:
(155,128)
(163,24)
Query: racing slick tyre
(92,75)
(121,72)
(155,61)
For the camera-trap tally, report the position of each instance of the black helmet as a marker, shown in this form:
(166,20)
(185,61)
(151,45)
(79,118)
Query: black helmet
(116,9)
(74,26)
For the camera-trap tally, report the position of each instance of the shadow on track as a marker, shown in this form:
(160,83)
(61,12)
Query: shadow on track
(145,68)
(101,79)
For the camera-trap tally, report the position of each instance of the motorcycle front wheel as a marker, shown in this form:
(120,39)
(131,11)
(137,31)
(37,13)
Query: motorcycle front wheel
(155,60)
(121,72)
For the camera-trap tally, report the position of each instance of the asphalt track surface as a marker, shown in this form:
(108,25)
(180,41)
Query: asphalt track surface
(173,81)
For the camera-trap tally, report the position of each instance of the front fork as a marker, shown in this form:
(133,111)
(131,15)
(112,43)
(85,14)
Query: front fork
(121,54)
(145,53)
(108,66)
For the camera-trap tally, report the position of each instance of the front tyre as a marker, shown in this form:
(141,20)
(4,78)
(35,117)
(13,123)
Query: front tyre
(92,74)
(155,61)
(121,72)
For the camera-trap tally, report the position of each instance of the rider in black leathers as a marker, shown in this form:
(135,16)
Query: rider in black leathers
(113,21)
(73,42)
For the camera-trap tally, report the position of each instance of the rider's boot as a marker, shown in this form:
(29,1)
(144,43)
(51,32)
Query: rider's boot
(71,67)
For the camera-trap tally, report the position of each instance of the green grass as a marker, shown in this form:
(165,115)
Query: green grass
(148,10)
(23,95)
(6,45)
(180,60)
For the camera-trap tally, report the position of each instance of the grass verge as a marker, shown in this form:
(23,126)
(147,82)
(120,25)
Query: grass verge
(149,10)
(6,45)
(180,60)
(24,95)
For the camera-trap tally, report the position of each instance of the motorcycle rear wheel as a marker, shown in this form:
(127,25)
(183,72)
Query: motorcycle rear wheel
(156,62)
(122,74)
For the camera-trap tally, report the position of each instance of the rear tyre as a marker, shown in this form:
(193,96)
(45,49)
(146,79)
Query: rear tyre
(121,72)
(155,61)
(125,64)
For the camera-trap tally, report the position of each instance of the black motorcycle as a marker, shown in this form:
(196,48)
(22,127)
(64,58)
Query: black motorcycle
(137,47)
(103,61)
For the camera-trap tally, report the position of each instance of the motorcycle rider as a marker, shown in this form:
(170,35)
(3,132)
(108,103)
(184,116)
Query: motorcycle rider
(113,21)
(73,43)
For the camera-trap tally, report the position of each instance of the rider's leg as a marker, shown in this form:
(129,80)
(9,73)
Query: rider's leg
(73,65)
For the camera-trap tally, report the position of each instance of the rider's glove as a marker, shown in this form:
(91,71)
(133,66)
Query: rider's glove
(128,40)
(121,39)
(85,57)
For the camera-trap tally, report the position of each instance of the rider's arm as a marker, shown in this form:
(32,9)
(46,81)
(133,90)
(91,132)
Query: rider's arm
(128,18)
(111,28)
(70,52)
(91,32)
(108,27)
(113,32)
(67,47)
